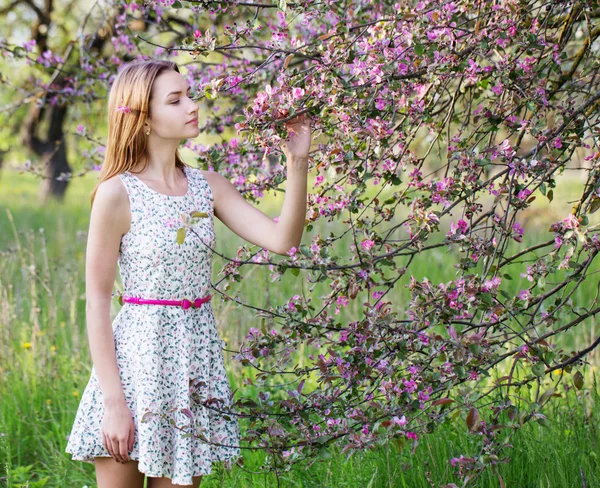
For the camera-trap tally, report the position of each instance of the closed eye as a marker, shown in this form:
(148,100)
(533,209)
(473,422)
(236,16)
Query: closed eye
(177,101)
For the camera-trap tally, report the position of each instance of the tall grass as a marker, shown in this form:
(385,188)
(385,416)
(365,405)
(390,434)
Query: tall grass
(45,363)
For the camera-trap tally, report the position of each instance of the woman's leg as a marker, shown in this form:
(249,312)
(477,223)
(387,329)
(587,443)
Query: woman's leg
(112,474)
(166,482)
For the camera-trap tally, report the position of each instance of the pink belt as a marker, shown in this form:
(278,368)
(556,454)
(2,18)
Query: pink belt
(185,303)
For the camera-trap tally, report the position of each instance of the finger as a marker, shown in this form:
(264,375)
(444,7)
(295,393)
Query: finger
(123,450)
(116,450)
(105,441)
(109,447)
(131,438)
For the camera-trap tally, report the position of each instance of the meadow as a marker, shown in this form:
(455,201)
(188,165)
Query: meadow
(45,361)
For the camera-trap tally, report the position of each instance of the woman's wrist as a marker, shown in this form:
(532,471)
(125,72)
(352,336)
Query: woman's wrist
(292,159)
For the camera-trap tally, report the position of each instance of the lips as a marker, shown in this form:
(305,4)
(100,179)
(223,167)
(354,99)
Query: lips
(193,121)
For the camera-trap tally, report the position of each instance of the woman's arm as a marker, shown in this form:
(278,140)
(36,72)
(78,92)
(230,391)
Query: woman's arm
(109,220)
(249,222)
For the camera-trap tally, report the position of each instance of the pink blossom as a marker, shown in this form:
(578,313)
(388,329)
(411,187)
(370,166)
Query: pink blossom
(518,232)
(497,89)
(399,421)
(491,284)
(571,222)
(378,294)
(524,295)
(557,242)
(460,460)
(124,108)
(297,93)
(461,226)
(292,302)
(523,194)
(367,244)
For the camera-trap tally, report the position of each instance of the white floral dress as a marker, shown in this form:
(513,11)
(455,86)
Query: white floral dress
(169,358)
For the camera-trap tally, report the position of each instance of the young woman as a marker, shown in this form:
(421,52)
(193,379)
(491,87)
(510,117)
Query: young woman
(161,360)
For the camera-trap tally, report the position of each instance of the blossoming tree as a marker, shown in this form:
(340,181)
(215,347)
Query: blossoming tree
(438,123)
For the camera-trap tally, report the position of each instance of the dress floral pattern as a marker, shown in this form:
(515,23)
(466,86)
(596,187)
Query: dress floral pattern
(170,359)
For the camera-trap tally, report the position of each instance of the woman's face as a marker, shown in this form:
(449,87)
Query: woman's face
(172,109)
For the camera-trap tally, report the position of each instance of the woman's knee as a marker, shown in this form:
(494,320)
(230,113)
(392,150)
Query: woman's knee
(112,474)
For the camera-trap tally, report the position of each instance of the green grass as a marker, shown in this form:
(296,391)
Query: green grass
(45,362)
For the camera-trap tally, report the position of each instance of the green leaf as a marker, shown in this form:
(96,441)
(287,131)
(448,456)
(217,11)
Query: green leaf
(181,233)
(595,205)
(263,326)
(483,83)
(543,421)
(324,453)
(538,369)
(305,250)
(210,93)
(295,271)
(546,395)
(199,214)
(578,380)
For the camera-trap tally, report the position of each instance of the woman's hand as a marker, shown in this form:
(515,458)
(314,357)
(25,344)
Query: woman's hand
(297,146)
(118,431)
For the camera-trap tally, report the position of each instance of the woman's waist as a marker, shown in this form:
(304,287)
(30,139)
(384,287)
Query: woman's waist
(165,295)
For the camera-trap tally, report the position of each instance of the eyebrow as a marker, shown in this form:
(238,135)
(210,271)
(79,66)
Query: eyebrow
(177,92)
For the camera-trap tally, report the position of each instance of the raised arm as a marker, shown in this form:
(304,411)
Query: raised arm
(248,221)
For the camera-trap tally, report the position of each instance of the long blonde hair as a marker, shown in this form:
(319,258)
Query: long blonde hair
(126,141)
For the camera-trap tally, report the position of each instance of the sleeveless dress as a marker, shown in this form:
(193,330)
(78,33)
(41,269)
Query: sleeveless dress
(169,358)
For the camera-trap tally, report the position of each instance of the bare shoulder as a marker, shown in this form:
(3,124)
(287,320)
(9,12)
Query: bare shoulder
(111,198)
(112,192)
(212,177)
(218,183)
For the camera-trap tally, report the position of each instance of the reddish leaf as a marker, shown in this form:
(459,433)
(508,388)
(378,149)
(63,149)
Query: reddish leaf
(287,61)
(472,418)
(442,401)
